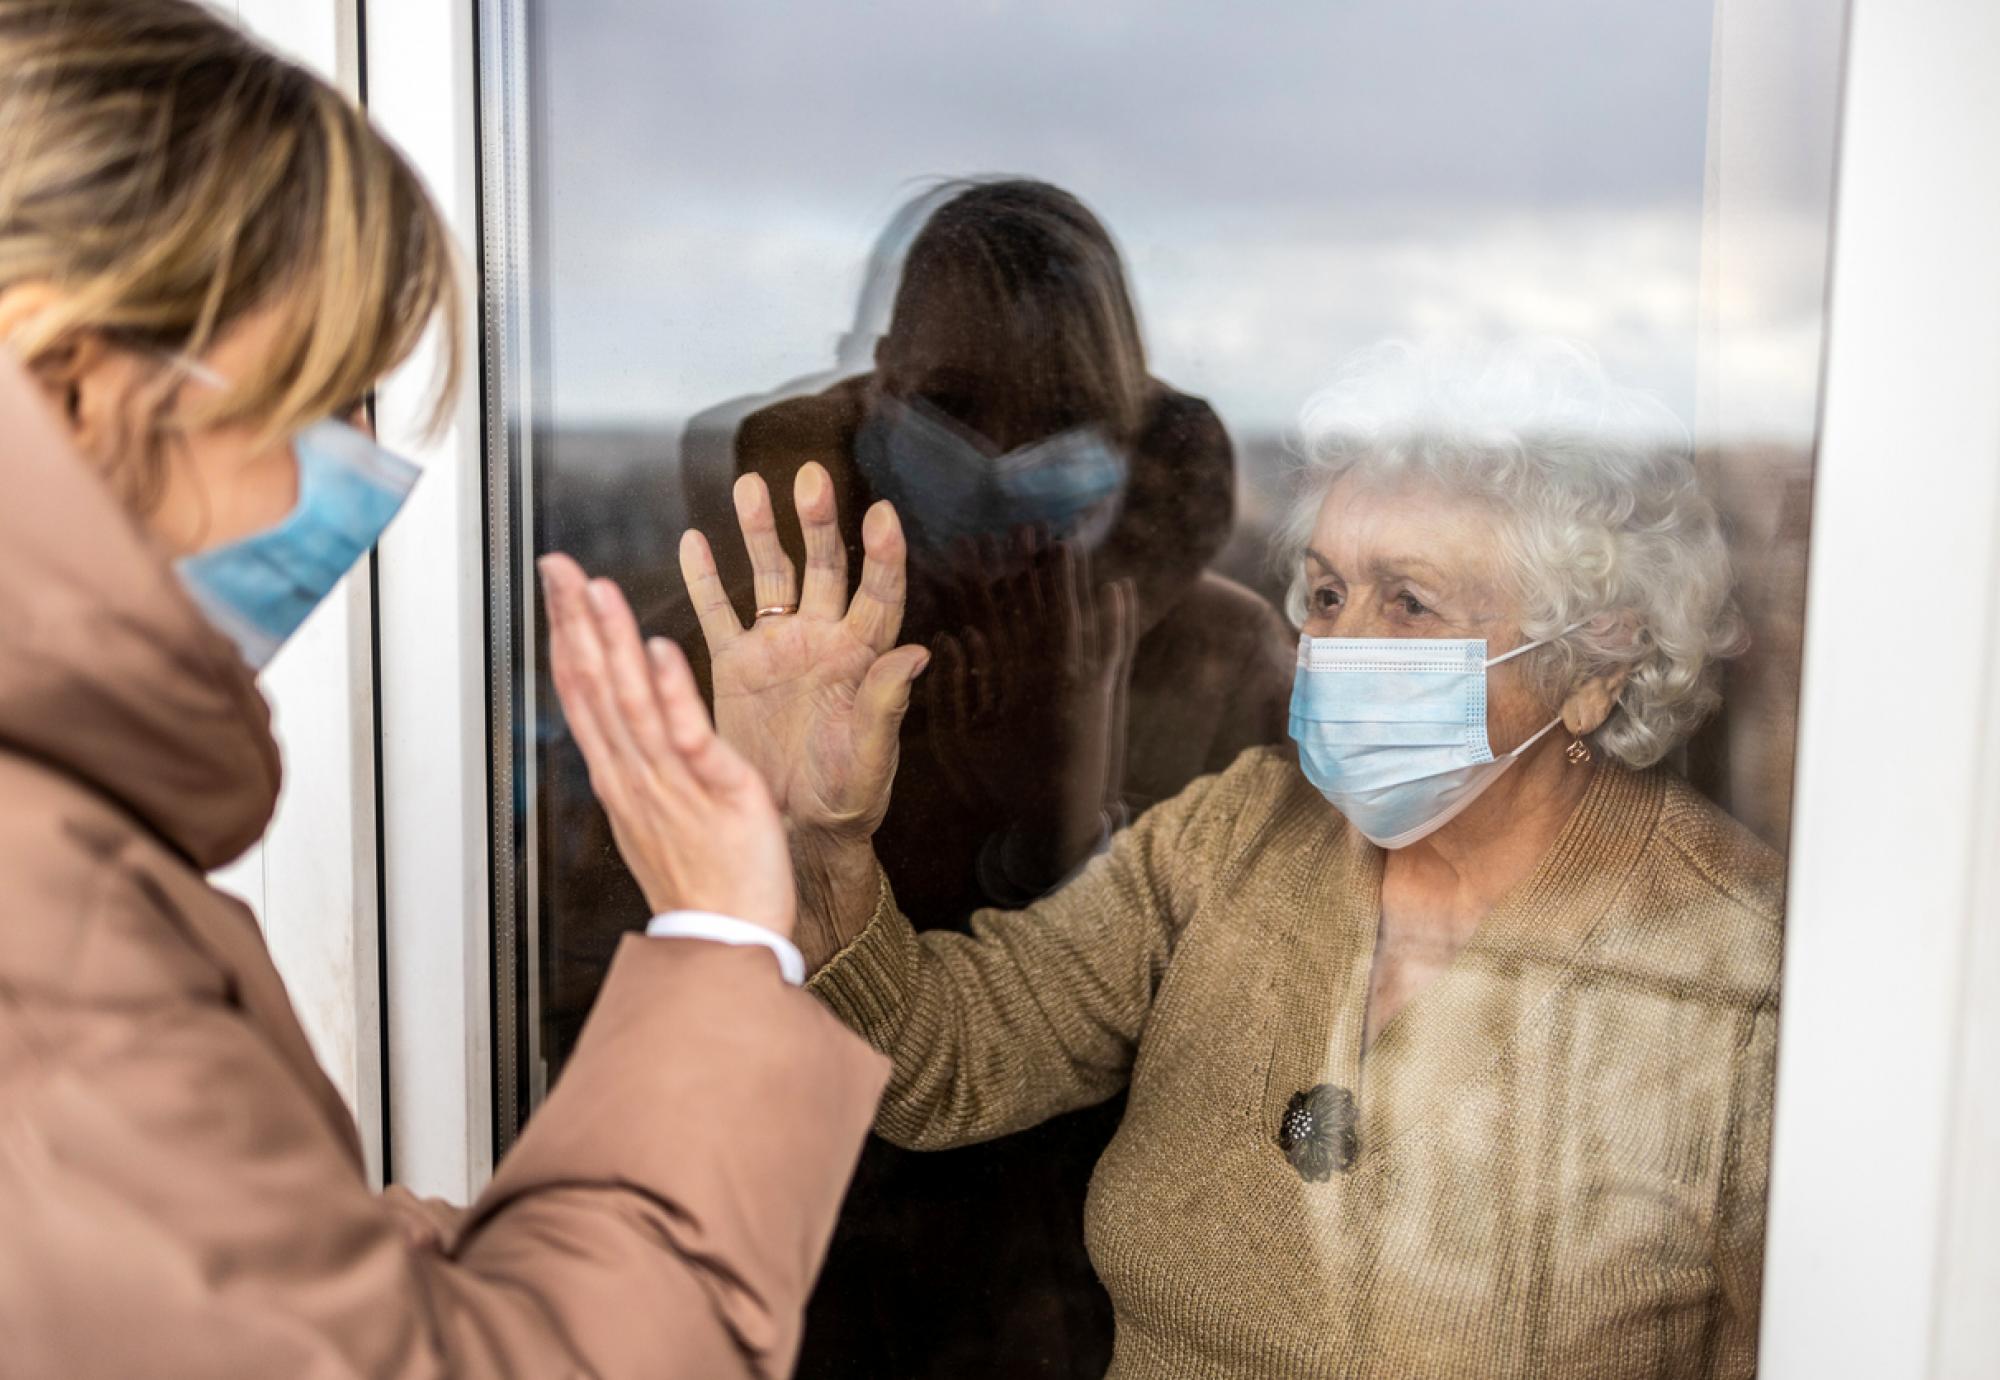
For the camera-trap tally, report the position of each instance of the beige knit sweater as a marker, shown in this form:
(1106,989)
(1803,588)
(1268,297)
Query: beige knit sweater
(1561,1141)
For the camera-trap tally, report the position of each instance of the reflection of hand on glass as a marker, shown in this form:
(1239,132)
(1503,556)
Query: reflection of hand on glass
(694,821)
(1027,710)
(814,691)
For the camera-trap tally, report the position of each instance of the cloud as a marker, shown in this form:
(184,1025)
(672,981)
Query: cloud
(1253,322)
(1289,180)
(1275,103)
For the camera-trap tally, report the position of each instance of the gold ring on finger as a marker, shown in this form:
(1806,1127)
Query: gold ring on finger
(776,610)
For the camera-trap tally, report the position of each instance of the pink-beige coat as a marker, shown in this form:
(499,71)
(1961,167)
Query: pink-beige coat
(181,1190)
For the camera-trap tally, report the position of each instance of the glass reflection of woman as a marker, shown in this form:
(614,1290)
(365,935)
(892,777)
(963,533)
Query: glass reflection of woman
(1011,392)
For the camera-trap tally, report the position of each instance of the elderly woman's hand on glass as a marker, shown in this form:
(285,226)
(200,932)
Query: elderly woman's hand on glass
(693,820)
(814,691)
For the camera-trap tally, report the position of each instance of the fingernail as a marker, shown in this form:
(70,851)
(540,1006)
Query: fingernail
(599,599)
(922,664)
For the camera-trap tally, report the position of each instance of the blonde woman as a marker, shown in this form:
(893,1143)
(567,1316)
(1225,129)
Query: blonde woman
(206,258)
(1448,1036)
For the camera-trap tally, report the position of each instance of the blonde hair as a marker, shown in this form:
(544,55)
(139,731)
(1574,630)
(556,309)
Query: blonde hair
(171,177)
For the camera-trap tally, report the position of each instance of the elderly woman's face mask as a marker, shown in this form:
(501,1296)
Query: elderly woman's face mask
(1392,731)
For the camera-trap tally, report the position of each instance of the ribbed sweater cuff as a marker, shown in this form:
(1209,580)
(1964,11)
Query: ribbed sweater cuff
(868,984)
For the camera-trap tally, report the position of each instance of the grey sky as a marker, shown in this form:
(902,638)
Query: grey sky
(1290,179)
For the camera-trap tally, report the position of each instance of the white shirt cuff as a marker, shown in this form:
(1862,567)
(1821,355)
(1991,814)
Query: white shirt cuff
(727,929)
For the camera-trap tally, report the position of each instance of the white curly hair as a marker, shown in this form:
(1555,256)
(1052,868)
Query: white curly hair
(1603,527)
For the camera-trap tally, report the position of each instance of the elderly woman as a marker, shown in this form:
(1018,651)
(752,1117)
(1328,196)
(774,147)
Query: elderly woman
(1448,1039)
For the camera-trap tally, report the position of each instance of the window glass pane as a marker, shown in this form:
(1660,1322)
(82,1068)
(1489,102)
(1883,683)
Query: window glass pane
(1415,1015)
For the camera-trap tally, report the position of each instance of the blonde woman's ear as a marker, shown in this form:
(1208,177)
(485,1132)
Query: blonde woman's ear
(22,303)
(57,368)
(22,307)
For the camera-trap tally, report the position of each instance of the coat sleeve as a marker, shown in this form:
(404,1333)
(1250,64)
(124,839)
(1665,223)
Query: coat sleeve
(1036,1011)
(177,1204)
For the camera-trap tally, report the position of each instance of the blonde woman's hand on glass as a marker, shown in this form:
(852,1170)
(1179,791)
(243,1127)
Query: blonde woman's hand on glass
(814,691)
(693,819)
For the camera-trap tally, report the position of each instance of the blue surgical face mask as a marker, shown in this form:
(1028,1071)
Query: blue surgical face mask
(1393,730)
(259,589)
(948,489)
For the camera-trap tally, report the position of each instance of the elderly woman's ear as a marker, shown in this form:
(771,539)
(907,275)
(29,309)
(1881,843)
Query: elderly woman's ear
(1590,704)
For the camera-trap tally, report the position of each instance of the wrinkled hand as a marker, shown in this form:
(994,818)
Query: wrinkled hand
(1027,706)
(692,819)
(813,699)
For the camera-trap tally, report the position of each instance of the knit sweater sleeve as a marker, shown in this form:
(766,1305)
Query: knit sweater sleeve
(1036,1011)
(1740,1207)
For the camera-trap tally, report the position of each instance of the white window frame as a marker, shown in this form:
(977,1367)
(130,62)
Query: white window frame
(437,887)
(1883,1253)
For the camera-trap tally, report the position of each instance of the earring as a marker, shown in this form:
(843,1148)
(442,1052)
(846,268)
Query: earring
(1578,752)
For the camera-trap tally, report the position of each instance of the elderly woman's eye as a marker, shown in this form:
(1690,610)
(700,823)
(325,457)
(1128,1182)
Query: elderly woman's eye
(1325,599)
(1408,604)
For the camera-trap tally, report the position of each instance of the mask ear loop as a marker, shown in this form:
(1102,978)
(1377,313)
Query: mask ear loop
(1521,650)
(1527,647)
(195,370)
(1534,738)
(198,371)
